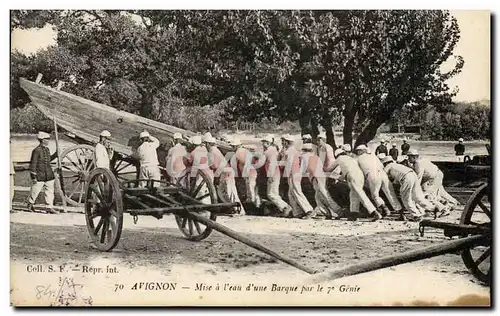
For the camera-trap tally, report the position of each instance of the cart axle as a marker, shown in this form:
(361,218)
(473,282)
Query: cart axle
(452,230)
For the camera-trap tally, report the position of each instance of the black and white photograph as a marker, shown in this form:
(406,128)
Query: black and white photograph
(250,157)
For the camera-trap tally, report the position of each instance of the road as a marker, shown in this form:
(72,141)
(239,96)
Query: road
(155,249)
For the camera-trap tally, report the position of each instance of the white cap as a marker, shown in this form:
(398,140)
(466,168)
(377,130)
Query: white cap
(381,156)
(267,138)
(251,147)
(235,142)
(460,139)
(144,134)
(195,140)
(362,147)
(386,159)
(177,136)
(322,135)
(393,145)
(347,147)
(412,152)
(207,138)
(306,136)
(307,146)
(382,140)
(288,137)
(43,135)
(207,134)
(105,134)
(338,151)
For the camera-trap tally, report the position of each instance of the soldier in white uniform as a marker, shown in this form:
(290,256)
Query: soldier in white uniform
(103,150)
(273,174)
(325,151)
(410,191)
(301,207)
(356,181)
(377,179)
(431,180)
(306,139)
(313,167)
(148,159)
(175,160)
(226,188)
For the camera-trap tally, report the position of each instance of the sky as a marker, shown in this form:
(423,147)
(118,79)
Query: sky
(474,46)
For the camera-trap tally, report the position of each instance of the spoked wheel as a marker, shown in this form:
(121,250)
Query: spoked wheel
(125,169)
(200,187)
(477,211)
(76,164)
(103,209)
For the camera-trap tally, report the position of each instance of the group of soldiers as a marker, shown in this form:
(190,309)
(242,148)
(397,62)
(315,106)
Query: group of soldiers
(420,182)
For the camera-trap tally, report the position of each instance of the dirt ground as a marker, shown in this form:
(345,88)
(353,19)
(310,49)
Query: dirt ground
(155,249)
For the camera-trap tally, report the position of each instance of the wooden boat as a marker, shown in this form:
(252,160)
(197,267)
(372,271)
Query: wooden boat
(86,119)
(83,120)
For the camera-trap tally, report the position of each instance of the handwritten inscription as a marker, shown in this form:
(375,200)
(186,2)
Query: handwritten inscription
(65,294)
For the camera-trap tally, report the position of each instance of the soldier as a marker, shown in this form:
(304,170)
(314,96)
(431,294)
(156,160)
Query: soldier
(226,188)
(306,139)
(148,159)
(460,150)
(244,160)
(197,159)
(273,174)
(347,148)
(175,160)
(394,152)
(410,191)
(325,151)
(381,149)
(103,150)
(42,175)
(313,167)
(430,178)
(356,181)
(377,179)
(405,147)
(301,207)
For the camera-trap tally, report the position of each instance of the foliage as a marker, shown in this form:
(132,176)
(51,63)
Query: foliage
(29,120)
(315,67)
(463,120)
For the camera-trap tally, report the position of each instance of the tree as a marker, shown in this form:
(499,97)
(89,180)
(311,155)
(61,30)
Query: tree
(317,67)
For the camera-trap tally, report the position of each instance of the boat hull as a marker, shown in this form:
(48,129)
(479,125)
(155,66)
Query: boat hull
(86,119)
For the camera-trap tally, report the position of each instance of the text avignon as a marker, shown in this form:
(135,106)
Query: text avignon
(154,286)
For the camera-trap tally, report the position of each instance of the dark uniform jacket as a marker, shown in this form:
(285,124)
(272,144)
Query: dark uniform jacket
(459,149)
(40,168)
(405,148)
(381,149)
(394,153)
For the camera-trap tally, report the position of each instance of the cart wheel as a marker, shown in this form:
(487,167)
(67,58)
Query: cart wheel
(124,170)
(76,164)
(104,206)
(202,189)
(477,212)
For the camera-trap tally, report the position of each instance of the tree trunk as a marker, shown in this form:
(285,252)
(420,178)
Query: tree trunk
(368,133)
(330,136)
(147,100)
(314,129)
(305,124)
(348,127)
